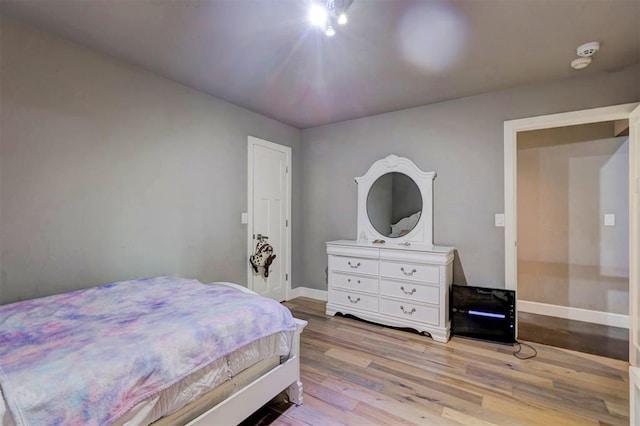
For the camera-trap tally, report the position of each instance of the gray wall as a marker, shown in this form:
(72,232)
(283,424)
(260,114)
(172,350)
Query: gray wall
(380,204)
(568,178)
(462,140)
(407,199)
(109,172)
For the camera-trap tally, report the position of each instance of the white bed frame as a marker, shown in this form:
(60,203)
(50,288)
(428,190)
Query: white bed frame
(247,400)
(243,403)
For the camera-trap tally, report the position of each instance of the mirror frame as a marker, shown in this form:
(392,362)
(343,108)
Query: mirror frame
(423,231)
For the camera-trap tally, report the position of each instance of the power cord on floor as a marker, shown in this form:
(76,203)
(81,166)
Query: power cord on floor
(520,345)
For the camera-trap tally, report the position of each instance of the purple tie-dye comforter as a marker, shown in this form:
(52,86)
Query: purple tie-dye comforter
(86,357)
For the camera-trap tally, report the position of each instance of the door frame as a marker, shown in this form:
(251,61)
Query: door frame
(634,251)
(511,129)
(251,142)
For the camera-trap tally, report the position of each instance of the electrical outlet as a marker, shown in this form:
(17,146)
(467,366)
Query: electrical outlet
(499,220)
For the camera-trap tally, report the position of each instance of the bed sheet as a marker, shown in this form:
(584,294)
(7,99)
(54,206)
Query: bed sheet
(195,385)
(165,292)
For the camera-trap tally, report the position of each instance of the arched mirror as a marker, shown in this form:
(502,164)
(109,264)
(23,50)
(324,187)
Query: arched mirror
(395,202)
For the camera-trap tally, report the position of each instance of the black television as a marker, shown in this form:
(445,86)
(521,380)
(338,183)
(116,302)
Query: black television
(483,313)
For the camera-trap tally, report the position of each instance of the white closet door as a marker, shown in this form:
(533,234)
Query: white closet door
(269,211)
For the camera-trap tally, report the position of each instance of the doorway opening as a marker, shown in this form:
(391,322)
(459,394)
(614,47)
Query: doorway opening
(514,128)
(573,237)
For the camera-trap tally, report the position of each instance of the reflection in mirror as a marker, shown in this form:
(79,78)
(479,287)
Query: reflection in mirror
(394,204)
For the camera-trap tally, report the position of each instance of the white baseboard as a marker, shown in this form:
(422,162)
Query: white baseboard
(578,314)
(311,293)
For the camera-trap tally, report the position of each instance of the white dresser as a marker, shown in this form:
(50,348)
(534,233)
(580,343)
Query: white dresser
(403,282)
(392,284)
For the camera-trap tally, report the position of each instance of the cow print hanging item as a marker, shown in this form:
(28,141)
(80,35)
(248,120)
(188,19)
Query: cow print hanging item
(263,257)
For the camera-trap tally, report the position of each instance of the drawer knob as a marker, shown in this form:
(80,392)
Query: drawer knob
(407,292)
(413,271)
(407,312)
(353,266)
(353,301)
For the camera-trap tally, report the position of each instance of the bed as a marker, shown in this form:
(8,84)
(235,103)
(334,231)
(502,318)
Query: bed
(161,351)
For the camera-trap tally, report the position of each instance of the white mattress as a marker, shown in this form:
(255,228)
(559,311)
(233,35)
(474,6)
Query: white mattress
(195,385)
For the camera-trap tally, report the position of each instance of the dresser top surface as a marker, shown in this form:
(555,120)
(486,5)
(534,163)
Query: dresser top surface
(394,246)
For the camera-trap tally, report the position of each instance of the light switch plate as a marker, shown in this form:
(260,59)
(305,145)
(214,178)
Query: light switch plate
(499,219)
(609,219)
(244,218)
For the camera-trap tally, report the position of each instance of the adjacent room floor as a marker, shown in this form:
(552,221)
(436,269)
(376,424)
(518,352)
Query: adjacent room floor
(357,373)
(612,342)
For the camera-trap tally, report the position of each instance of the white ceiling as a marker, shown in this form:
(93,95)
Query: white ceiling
(394,54)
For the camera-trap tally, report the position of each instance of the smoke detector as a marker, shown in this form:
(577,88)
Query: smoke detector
(588,49)
(585,51)
(580,63)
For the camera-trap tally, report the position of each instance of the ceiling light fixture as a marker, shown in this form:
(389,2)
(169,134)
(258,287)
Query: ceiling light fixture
(325,13)
(330,32)
(318,15)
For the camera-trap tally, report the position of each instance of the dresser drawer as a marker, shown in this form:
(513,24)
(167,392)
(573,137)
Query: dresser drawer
(355,265)
(355,282)
(409,311)
(410,291)
(355,300)
(410,271)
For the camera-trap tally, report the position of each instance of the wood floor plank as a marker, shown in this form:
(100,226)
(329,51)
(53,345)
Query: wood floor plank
(570,376)
(567,359)
(411,345)
(533,415)
(510,375)
(619,409)
(598,359)
(609,395)
(332,412)
(571,401)
(480,413)
(431,388)
(359,373)
(474,385)
(473,348)
(380,416)
(464,419)
(322,393)
(313,374)
(350,357)
(576,335)
(388,402)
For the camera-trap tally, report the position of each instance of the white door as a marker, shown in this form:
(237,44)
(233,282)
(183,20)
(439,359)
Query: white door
(634,254)
(269,215)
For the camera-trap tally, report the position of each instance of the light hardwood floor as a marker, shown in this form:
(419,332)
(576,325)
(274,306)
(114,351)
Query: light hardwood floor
(356,373)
